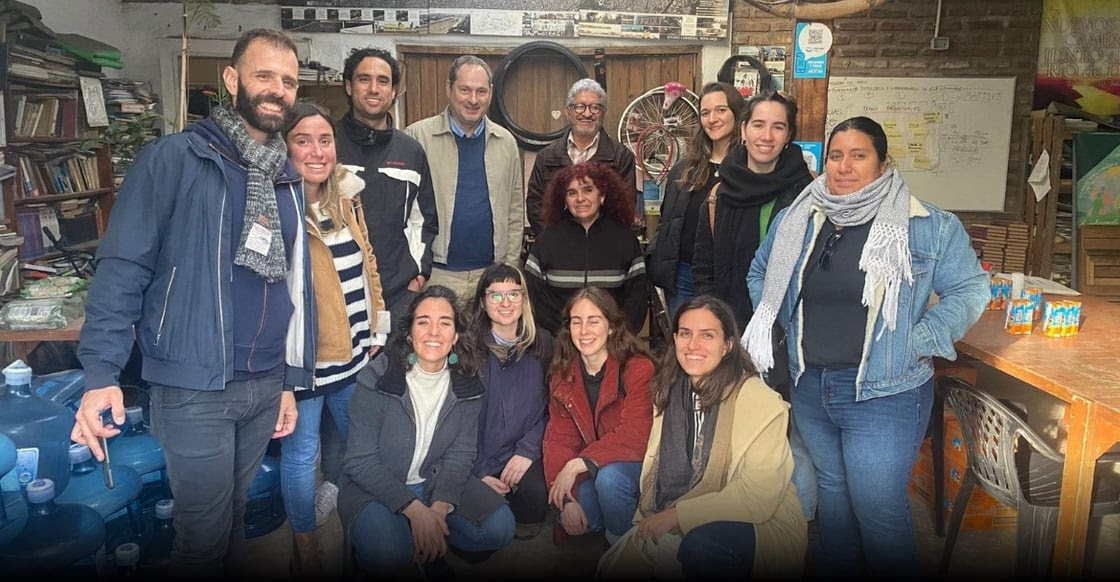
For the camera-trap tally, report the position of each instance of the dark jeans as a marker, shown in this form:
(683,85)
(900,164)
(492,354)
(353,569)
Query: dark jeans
(721,550)
(213,444)
(529,500)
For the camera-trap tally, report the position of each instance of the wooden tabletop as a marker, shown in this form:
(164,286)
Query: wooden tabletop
(68,333)
(1086,365)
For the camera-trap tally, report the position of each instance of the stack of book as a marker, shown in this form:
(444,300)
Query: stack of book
(42,66)
(43,171)
(44,114)
(1004,245)
(1015,253)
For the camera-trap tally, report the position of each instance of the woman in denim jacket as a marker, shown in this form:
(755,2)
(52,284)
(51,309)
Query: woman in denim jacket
(849,270)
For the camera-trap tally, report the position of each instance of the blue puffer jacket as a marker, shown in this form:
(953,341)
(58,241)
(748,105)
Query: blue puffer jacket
(164,274)
(942,262)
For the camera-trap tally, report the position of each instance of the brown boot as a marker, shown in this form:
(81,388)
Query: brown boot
(305,556)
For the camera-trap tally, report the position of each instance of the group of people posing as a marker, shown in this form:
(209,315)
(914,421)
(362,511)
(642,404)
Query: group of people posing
(275,265)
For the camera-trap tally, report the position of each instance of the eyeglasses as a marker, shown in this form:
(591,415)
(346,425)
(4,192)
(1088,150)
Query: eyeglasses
(513,295)
(825,261)
(592,107)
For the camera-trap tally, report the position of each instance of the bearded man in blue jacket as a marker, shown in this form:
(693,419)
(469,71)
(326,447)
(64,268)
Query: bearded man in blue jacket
(205,265)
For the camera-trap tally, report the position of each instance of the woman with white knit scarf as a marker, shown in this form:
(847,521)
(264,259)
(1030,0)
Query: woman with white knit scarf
(849,270)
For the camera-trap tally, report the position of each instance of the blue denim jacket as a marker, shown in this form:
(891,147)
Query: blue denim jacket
(943,263)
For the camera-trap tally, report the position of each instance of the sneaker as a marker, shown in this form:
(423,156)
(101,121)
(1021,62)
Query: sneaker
(326,500)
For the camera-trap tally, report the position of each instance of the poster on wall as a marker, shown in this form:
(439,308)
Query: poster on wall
(1079,56)
(811,43)
(1096,171)
(640,19)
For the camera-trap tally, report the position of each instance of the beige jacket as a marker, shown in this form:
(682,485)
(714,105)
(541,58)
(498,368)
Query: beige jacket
(503,175)
(759,490)
(335,343)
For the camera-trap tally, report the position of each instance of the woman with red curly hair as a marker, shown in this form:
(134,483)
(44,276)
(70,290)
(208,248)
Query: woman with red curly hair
(587,242)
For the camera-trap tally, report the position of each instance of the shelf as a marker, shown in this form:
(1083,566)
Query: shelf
(89,246)
(45,198)
(18,141)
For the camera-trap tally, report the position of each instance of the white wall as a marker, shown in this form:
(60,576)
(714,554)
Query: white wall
(98,19)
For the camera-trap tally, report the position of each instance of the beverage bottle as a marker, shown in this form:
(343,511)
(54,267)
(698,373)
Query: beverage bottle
(137,448)
(158,554)
(39,428)
(88,485)
(127,559)
(56,535)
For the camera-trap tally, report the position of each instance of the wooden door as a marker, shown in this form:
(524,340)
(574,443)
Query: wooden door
(535,87)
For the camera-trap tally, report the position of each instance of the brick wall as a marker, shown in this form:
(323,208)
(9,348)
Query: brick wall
(987,38)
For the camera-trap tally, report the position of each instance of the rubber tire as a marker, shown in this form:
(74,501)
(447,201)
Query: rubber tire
(529,140)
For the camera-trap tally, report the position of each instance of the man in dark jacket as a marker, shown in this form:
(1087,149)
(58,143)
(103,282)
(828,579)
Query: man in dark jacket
(398,200)
(205,264)
(586,106)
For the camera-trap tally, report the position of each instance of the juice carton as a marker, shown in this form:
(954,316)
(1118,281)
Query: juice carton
(1054,318)
(1000,292)
(1073,318)
(1035,295)
(1019,317)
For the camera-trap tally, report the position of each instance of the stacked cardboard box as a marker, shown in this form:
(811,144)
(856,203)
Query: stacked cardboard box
(983,511)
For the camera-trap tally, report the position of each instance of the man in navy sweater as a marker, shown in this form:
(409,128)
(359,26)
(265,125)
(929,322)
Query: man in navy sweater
(478,184)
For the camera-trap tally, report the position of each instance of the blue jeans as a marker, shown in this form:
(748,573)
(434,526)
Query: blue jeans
(611,498)
(382,539)
(685,290)
(213,445)
(863,453)
(720,550)
(804,475)
(300,453)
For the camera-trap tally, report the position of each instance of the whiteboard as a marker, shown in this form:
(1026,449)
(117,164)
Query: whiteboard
(949,137)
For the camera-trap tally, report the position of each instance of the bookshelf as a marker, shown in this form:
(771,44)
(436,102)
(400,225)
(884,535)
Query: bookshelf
(59,181)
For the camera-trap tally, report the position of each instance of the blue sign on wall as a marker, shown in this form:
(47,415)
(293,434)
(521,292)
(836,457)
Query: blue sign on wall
(810,50)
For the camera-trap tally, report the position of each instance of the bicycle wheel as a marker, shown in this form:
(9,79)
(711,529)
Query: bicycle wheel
(657,135)
(530,140)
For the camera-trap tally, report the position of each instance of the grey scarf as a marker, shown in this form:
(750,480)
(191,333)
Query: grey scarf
(885,257)
(266,164)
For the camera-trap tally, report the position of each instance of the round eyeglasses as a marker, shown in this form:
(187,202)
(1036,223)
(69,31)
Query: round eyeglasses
(513,295)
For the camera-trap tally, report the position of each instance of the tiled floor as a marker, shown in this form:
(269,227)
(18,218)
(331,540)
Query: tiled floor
(978,553)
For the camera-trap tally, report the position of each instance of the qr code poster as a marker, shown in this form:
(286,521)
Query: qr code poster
(811,44)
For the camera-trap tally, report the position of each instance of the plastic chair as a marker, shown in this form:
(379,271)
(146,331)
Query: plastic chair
(1016,467)
(936,432)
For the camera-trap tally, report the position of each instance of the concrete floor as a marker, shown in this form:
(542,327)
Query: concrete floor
(977,553)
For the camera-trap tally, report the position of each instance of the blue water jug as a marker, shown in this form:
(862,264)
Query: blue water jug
(13,510)
(157,555)
(137,448)
(39,428)
(56,535)
(88,487)
(127,559)
(65,387)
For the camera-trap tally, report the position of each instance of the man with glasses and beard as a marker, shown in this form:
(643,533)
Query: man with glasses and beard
(205,264)
(585,141)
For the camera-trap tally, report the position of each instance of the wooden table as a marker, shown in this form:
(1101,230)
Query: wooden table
(23,342)
(1083,371)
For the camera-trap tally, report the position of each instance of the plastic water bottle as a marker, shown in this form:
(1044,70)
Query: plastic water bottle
(39,428)
(55,537)
(13,510)
(158,555)
(127,559)
(87,484)
(137,448)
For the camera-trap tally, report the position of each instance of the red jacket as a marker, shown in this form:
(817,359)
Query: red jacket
(619,428)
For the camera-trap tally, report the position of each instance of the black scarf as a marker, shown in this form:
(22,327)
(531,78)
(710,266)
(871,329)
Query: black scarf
(683,454)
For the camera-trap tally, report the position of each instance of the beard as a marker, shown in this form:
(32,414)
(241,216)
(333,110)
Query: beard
(247,109)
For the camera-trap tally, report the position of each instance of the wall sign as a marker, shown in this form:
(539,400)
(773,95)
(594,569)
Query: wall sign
(811,44)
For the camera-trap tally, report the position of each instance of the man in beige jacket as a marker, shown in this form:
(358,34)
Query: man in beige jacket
(476,174)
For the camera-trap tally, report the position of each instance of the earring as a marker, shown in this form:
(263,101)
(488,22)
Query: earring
(412,359)
(452,359)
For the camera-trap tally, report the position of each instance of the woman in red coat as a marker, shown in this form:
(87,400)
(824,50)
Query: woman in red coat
(599,417)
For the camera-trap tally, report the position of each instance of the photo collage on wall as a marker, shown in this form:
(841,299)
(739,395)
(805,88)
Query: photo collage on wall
(640,19)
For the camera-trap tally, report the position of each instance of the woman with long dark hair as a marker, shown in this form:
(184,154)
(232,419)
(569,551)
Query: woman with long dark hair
(717,497)
(406,491)
(599,417)
(848,272)
(669,258)
(515,406)
(587,242)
